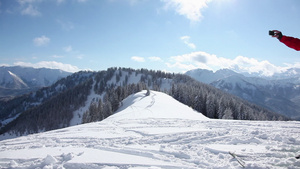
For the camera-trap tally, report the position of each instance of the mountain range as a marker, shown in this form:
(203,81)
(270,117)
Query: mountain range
(19,80)
(279,93)
(88,96)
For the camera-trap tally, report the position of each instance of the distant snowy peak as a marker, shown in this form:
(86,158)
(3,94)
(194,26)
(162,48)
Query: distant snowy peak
(25,77)
(291,76)
(233,80)
(18,80)
(11,80)
(202,75)
(285,74)
(208,76)
(156,105)
(226,73)
(290,73)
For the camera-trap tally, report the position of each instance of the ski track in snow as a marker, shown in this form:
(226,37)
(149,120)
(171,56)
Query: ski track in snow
(205,145)
(155,143)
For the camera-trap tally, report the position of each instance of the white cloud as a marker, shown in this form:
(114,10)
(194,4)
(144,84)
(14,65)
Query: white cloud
(191,9)
(138,59)
(155,59)
(182,66)
(50,65)
(208,61)
(142,59)
(59,1)
(192,57)
(65,25)
(3,64)
(68,48)
(186,40)
(22,2)
(190,61)
(295,65)
(30,10)
(251,65)
(57,56)
(131,2)
(80,56)
(77,54)
(30,7)
(41,41)
(135,2)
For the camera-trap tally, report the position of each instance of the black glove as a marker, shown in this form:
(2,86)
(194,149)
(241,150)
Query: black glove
(279,34)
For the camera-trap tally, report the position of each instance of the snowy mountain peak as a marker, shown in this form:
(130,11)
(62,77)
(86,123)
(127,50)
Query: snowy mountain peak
(11,80)
(208,76)
(31,76)
(18,80)
(226,72)
(156,105)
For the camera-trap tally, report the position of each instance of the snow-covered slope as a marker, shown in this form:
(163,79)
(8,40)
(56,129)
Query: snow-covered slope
(157,105)
(155,132)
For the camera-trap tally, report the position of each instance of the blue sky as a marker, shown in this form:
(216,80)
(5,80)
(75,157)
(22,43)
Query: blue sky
(168,35)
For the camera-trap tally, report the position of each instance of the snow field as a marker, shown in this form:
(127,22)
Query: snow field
(151,132)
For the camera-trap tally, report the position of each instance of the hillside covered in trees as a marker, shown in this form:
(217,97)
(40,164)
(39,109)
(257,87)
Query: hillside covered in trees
(93,96)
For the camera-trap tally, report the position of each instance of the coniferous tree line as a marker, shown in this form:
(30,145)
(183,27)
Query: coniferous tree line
(11,108)
(58,102)
(56,112)
(215,103)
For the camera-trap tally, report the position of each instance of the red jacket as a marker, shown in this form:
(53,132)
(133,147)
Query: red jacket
(291,42)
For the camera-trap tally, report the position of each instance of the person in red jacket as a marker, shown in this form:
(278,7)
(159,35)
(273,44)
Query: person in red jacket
(287,40)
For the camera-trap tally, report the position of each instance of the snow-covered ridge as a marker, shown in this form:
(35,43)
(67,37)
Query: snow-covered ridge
(156,105)
(156,132)
(125,77)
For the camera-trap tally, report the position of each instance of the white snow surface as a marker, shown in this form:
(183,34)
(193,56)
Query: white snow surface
(156,105)
(157,132)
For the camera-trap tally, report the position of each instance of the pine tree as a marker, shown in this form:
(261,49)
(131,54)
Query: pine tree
(100,111)
(211,106)
(107,109)
(227,114)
